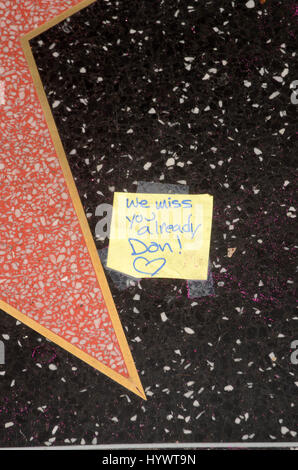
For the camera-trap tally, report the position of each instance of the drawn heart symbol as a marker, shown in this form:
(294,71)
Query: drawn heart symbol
(156,265)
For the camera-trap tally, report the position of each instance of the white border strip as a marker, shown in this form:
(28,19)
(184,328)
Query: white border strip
(180,445)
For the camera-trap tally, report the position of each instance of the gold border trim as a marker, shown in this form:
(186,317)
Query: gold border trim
(133,382)
(125,382)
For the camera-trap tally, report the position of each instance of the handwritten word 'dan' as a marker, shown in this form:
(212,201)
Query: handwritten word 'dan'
(153,247)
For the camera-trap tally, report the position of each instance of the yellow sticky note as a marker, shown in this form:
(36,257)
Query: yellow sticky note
(161,235)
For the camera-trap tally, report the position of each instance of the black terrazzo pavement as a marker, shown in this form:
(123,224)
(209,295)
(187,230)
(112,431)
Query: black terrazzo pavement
(195,93)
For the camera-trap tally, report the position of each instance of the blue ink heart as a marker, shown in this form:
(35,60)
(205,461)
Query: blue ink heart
(160,263)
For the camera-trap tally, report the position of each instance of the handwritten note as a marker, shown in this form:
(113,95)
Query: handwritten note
(161,235)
